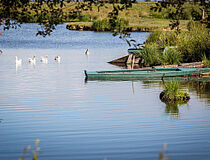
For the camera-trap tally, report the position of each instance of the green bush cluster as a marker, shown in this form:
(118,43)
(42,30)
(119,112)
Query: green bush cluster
(195,43)
(171,56)
(173,93)
(206,61)
(107,25)
(150,54)
(101,25)
(84,18)
(190,12)
(185,46)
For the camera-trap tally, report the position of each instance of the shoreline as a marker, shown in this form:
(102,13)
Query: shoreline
(88,27)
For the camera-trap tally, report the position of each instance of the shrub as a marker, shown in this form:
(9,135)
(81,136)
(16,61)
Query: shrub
(206,61)
(194,43)
(120,25)
(151,54)
(84,18)
(171,56)
(153,37)
(115,25)
(101,25)
(163,38)
(172,93)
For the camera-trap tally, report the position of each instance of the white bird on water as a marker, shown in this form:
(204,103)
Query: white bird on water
(18,61)
(87,52)
(58,58)
(32,60)
(44,59)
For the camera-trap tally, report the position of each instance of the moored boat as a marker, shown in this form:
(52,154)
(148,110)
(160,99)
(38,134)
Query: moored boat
(146,73)
(134,50)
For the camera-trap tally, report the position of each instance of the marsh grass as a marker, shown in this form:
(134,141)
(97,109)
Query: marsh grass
(172,93)
(195,43)
(189,46)
(206,61)
(171,56)
(151,55)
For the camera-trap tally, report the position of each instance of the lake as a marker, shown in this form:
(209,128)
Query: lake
(93,120)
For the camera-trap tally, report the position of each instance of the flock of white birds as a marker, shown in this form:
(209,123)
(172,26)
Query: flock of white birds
(33,60)
(42,59)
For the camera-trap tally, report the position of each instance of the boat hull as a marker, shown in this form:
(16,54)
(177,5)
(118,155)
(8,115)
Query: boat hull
(146,73)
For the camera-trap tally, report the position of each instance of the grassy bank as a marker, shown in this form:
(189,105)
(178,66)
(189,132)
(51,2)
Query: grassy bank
(139,17)
(171,47)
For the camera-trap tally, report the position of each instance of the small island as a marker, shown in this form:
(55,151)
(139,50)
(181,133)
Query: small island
(172,93)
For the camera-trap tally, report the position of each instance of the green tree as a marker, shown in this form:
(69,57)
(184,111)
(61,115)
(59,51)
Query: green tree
(49,13)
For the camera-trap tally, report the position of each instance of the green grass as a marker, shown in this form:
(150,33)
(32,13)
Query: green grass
(188,46)
(139,16)
(172,93)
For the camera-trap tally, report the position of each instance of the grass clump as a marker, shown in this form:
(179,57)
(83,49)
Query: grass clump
(101,25)
(171,56)
(150,55)
(206,61)
(194,43)
(172,93)
(120,24)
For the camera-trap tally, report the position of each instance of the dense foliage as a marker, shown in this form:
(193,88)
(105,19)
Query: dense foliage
(184,46)
(49,13)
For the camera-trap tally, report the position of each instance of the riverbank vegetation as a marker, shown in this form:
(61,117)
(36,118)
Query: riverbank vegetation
(139,17)
(171,47)
(179,28)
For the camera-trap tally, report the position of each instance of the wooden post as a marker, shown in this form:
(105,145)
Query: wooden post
(129,60)
(133,61)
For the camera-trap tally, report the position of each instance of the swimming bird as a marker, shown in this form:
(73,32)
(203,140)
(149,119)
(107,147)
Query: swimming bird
(44,59)
(87,52)
(32,60)
(18,61)
(58,58)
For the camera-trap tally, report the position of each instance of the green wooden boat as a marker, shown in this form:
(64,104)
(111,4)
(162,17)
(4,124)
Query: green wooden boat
(146,73)
(134,50)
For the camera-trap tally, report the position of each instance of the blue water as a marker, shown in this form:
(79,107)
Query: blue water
(77,120)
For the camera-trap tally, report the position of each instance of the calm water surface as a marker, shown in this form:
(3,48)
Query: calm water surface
(93,120)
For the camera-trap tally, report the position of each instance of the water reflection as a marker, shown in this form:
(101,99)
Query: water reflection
(200,88)
(33,65)
(17,67)
(173,107)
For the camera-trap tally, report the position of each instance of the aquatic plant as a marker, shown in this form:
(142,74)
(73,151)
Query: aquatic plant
(31,152)
(151,55)
(172,93)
